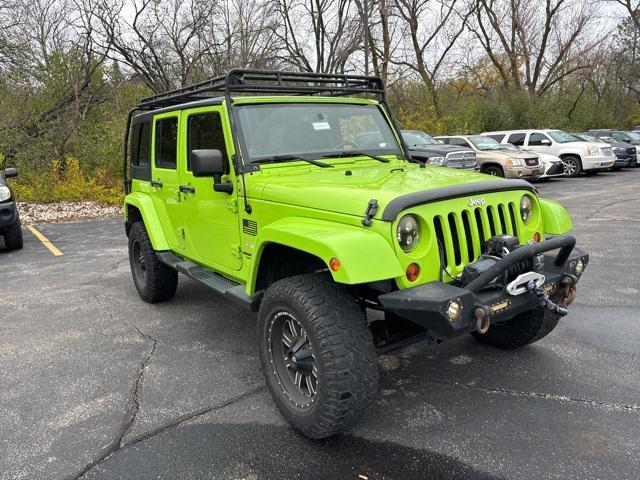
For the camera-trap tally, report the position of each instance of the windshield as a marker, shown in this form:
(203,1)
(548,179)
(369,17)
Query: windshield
(590,138)
(634,136)
(314,130)
(562,137)
(485,143)
(510,146)
(413,138)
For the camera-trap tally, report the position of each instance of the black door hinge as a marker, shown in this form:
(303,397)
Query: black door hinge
(369,213)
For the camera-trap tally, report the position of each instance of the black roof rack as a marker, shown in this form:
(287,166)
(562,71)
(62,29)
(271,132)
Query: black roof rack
(268,82)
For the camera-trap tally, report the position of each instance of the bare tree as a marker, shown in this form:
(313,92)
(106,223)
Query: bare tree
(317,35)
(432,29)
(536,45)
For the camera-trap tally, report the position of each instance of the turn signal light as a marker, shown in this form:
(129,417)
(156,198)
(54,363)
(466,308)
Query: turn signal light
(334,264)
(537,237)
(413,271)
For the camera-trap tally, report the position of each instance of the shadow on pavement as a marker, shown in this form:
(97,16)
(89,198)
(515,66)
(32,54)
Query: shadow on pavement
(250,451)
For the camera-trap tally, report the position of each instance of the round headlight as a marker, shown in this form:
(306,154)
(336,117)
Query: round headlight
(526,208)
(408,233)
(5,193)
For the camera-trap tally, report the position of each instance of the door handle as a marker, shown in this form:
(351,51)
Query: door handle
(186,189)
(156,183)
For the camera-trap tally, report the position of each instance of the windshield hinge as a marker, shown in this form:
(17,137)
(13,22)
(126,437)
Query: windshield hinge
(369,213)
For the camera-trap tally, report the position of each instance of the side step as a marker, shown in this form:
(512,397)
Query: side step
(230,289)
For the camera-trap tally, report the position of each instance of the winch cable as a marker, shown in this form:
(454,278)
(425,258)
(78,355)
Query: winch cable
(545,301)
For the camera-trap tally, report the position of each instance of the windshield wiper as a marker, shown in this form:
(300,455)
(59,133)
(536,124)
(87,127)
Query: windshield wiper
(355,154)
(291,158)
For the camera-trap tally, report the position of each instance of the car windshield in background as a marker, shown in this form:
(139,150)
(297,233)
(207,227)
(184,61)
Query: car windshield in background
(485,143)
(511,146)
(590,138)
(414,138)
(634,136)
(314,130)
(563,137)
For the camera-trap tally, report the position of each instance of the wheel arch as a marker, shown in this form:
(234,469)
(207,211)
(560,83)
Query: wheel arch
(314,243)
(140,207)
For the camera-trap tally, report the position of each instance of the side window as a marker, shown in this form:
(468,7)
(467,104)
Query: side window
(141,151)
(459,142)
(204,132)
(166,142)
(446,141)
(140,144)
(517,139)
(535,139)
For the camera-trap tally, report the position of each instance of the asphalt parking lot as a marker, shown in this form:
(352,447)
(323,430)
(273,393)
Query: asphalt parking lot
(97,384)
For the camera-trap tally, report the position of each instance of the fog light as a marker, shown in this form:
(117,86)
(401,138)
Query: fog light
(454,310)
(579,268)
(413,270)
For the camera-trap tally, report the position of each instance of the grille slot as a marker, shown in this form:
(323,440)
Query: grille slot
(453,229)
(461,235)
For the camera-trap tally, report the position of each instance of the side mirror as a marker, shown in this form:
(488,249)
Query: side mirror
(545,141)
(10,172)
(207,163)
(210,163)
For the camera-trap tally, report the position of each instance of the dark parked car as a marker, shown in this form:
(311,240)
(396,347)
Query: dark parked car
(626,137)
(425,148)
(626,155)
(10,226)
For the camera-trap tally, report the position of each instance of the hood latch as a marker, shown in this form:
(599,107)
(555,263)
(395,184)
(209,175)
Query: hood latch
(370,212)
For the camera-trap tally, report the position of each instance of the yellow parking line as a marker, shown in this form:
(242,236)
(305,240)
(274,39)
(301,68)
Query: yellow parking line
(45,241)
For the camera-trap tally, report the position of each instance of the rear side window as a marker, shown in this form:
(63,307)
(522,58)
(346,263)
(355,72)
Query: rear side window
(516,139)
(204,132)
(141,144)
(458,141)
(166,142)
(536,139)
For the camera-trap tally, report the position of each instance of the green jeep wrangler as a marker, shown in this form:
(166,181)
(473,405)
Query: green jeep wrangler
(302,203)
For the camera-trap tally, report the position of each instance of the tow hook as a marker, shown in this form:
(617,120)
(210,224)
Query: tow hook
(483,320)
(545,301)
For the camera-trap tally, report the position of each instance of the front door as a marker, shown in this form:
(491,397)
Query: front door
(164,178)
(211,218)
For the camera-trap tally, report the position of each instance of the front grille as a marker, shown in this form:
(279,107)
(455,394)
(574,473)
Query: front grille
(461,235)
(531,162)
(460,159)
(607,151)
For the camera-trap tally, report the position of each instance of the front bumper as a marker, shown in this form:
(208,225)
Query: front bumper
(598,162)
(523,172)
(555,169)
(7,214)
(622,161)
(427,304)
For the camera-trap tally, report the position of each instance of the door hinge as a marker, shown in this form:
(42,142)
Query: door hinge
(236,251)
(233,205)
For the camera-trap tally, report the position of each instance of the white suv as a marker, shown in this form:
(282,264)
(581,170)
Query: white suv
(577,155)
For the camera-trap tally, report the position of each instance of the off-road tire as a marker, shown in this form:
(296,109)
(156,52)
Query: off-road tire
(159,281)
(13,235)
(575,162)
(494,170)
(526,328)
(344,353)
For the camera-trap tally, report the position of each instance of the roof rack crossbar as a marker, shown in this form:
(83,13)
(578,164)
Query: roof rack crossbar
(264,81)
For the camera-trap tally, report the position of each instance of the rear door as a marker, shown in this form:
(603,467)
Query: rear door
(211,218)
(164,177)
